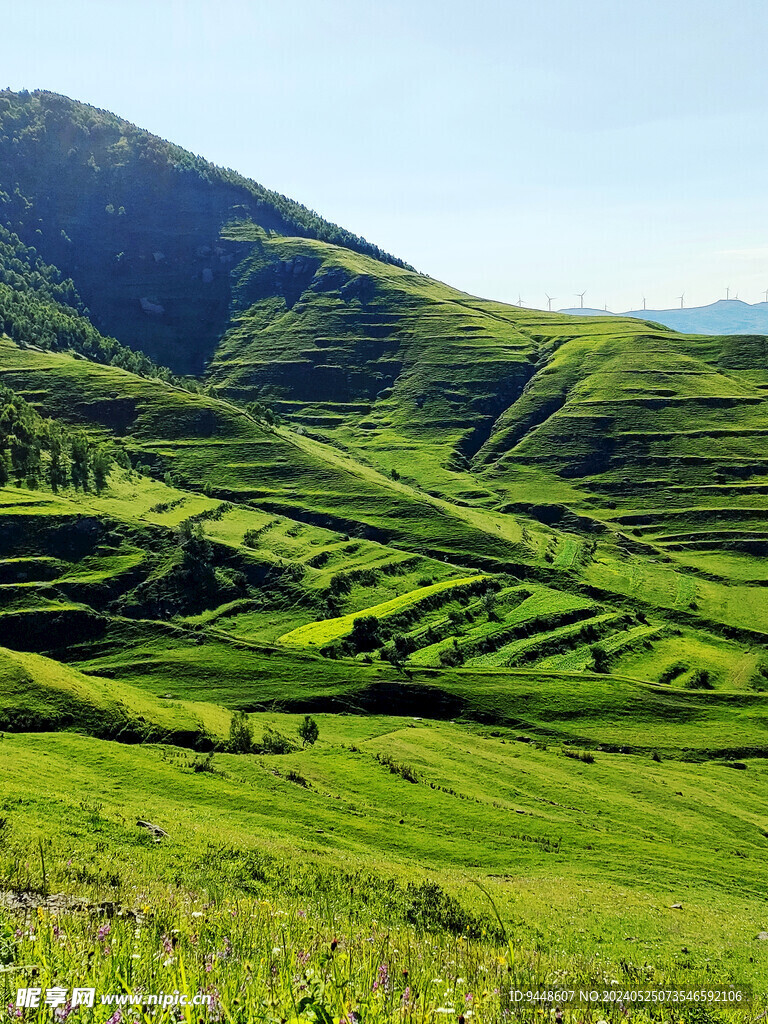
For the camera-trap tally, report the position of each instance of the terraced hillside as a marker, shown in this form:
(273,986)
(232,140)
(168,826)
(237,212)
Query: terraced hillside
(302,546)
(514,563)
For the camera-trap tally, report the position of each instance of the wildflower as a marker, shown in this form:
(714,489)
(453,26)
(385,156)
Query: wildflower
(103,932)
(383,975)
(167,945)
(115,1018)
(62,1012)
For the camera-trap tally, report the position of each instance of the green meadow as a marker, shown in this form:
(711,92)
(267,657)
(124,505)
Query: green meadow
(369,651)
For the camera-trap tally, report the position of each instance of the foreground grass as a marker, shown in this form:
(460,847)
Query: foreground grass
(314,960)
(374,841)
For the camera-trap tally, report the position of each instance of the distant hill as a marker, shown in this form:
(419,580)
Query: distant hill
(726,316)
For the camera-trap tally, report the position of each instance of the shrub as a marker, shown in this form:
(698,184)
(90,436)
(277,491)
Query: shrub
(700,680)
(599,658)
(231,583)
(456,616)
(273,742)
(398,649)
(365,633)
(489,606)
(580,755)
(673,671)
(205,763)
(759,680)
(451,657)
(340,584)
(398,768)
(430,908)
(240,734)
(308,731)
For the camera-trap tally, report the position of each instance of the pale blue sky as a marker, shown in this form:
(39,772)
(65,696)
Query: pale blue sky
(508,148)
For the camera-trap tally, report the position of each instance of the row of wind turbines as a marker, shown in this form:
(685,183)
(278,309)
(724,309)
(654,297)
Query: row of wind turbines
(678,298)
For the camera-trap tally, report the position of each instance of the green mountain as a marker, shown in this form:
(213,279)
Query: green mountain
(513,562)
(136,221)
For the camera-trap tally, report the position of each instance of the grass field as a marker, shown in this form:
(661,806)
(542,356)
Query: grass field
(265,853)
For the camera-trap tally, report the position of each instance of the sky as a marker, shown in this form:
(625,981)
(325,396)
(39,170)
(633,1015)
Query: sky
(511,149)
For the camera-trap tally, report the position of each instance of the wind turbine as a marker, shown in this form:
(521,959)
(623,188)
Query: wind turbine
(580,295)
(727,292)
(644,301)
(765,293)
(681,297)
(550,300)
(519,300)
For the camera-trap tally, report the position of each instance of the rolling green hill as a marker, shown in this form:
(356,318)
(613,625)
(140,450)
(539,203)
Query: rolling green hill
(512,562)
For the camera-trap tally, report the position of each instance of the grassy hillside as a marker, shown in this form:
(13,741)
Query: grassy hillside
(40,694)
(338,861)
(316,534)
(513,563)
